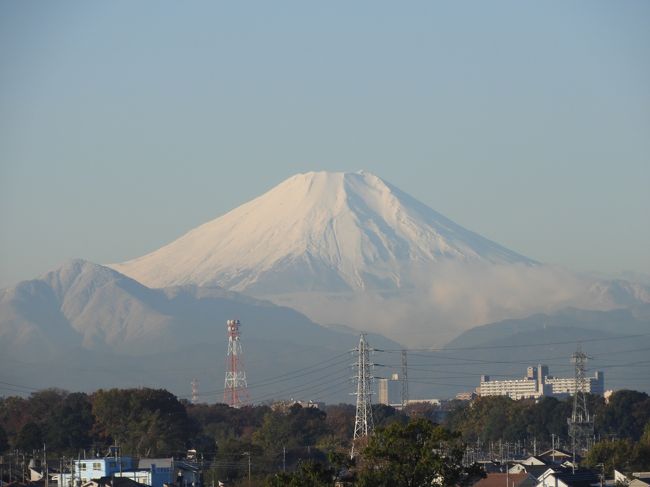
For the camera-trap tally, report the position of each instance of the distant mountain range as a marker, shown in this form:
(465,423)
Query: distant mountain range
(617,342)
(352,248)
(305,267)
(85,326)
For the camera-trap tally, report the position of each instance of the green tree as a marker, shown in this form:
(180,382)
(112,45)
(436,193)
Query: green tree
(4,440)
(307,474)
(611,453)
(626,414)
(418,453)
(70,425)
(143,421)
(30,437)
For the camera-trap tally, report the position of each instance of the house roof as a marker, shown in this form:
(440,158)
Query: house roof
(158,462)
(533,460)
(535,470)
(579,478)
(499,480)
(556,453)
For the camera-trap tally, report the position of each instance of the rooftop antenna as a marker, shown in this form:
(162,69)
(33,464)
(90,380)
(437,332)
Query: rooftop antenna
(363,422)
(235,391)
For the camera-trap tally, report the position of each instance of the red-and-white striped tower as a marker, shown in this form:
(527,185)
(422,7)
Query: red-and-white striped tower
(235,390)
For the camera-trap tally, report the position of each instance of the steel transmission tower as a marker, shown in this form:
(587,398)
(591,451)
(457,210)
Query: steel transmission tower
(235,390)
(363,423)
(405,381)
(581,425)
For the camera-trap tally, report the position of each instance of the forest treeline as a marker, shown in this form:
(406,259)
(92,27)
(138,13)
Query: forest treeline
(153,422)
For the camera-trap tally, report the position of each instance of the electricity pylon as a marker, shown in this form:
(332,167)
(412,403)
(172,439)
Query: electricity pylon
(581,425)
(363,422)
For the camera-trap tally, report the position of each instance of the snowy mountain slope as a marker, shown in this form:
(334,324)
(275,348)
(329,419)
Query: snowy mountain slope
(319,231)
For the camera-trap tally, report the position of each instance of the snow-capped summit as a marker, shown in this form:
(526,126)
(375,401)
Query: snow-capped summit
(318,231)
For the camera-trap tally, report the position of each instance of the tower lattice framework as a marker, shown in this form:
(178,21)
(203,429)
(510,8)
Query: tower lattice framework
(581,424)
(363,422)
(235,389)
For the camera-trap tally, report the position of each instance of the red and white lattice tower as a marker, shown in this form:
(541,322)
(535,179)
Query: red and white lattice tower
(235,390)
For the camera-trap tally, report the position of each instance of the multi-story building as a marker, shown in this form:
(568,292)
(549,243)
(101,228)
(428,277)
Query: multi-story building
(538,383)
(154,472)
(84,470)
(561,385)
(390,391)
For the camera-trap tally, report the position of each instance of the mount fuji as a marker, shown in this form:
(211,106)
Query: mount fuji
(352,249)
(319,231)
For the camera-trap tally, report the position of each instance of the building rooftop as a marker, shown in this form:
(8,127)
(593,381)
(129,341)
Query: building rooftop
(158,462)
(579,478)
(499,480)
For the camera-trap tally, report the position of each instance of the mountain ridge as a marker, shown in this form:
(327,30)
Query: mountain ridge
(86,326)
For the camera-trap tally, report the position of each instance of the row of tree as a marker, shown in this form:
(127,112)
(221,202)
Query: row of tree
(624,415)
(300,441)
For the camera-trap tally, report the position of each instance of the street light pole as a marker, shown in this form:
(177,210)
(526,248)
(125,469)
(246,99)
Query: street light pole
(248,454)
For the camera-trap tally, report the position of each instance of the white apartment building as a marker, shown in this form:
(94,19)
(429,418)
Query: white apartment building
(390,390)
(538,383)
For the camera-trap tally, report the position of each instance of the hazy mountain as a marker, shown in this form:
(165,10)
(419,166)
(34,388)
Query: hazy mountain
(320,231)
(83,326)
(617,342)
(351,248)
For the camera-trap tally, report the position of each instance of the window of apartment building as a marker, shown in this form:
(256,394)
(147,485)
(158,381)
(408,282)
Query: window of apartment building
(82,466)
(97,466)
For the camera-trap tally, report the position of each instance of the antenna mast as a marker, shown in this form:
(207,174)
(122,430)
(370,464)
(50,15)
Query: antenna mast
(581,425)
(195,391)
(405,381)
(363,422)
(235,391)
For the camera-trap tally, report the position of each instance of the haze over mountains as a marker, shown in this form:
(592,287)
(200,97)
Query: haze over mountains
(87,326)
(345,249)
(351,248)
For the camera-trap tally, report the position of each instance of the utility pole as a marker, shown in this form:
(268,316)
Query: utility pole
(405,380)
(248,454)
(602,474)
(284,458)
(363,422)
(553,447)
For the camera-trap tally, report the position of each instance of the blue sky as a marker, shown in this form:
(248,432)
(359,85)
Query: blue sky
(124,124)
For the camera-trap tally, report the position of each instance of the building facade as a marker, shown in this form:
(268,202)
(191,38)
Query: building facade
(390,391)
(538,383)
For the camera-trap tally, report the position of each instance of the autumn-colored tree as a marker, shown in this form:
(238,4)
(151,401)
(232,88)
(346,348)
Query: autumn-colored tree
(417,453)
(143,421)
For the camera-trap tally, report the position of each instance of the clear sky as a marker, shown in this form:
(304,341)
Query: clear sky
(124,124)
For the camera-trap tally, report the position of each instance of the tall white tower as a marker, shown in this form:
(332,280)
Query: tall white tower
(195,391)
(235,389)
(363,422)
